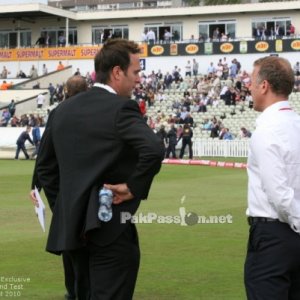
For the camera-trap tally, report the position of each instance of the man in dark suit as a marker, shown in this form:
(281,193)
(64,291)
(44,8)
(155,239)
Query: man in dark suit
(100,138)
(21,142)
(75,84)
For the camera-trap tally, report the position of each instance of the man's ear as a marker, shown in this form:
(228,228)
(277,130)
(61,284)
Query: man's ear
(116,73)
(265,87)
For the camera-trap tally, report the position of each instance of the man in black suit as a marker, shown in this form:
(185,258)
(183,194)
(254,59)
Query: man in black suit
(75,84)
(100,138)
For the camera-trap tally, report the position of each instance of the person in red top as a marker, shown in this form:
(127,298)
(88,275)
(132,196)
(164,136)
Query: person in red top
(60,66)
(5,85)
(142,105)
(292,30)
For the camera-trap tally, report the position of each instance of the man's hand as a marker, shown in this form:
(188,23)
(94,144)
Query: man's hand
(120,191)
(33,198)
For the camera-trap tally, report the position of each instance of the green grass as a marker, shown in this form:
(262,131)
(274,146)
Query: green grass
(204,261)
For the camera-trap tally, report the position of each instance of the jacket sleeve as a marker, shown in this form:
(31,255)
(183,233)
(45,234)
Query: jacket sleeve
(35,181)
(133,130)
(47,166)
(29,139)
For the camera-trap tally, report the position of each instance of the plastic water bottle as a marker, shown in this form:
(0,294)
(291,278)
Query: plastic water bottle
(105,208)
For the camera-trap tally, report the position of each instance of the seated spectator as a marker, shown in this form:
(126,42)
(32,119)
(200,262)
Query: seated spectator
(60,66)
(202,106)
(36,86)
(230,97)
(172,119)
(208,124)
(21,74)
(183,115)
(15,122)
(225,134)
(189,120)
(245,133)
(5,117)
(216,127)
(5,85)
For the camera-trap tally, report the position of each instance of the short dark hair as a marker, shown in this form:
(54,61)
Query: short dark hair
(75,85)
(278,72)
(115,52)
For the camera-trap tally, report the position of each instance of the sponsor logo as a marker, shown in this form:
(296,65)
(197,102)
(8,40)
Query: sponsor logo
(173,49)
(157,50)
(191,49)
(262,46)
(226,48)
(295,45)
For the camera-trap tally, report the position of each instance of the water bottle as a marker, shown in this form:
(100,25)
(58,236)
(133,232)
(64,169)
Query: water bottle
(105,208)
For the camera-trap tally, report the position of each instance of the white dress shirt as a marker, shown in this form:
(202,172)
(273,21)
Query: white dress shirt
(106,87)
(274,166)
(151,35)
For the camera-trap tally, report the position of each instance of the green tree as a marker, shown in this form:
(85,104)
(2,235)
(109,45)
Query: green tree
(222,2)
(192,2)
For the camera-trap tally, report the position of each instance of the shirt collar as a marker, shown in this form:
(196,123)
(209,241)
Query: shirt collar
(106,87)
(271,110)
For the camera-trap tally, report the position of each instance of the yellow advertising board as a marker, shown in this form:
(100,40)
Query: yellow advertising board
(60,53)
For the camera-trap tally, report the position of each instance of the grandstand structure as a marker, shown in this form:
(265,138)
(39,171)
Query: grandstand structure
(22,23)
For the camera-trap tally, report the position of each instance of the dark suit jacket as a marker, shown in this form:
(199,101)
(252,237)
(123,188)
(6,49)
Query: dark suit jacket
(95,137)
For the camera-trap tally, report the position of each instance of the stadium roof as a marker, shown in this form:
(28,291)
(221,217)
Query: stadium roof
(32,11)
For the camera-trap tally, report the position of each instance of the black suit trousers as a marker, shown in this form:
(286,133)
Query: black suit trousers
(80,263)
(272,267)
(114,268)
(69,271)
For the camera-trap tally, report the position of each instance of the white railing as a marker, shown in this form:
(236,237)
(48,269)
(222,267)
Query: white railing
(201,147)
(214,147)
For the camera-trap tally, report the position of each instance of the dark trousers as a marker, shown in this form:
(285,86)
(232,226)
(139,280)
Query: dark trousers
(171,149)
(80,263)
(36,150)
(184,144)
(272,267)
(69,271)
(114,268)
(19,148)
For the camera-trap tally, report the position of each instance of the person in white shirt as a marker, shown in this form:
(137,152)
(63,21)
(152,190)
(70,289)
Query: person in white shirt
(151,36)
(167,36)
(188,69)
(144,36)
(40,100)
(272,267)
